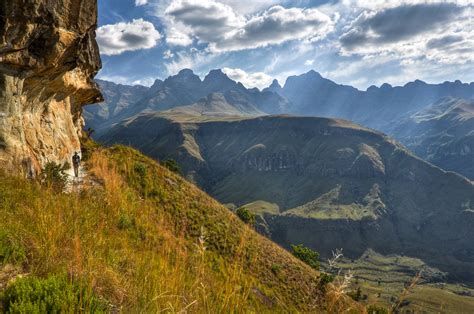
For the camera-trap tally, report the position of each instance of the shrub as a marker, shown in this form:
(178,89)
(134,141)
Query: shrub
(172,165)
(356,295)
(54,294)
(10,250)
(375,309)
(125,222)
(276,268)
(324,280)
(53,176)
(307,255)
(140,169)
(246,216)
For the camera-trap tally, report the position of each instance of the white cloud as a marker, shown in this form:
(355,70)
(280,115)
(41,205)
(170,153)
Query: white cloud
(250,80)
(199,61)
(141,2)
(224,29)
(250,6)
(167,54)
(434,31)
(309,62)
(126,80)
(114,39)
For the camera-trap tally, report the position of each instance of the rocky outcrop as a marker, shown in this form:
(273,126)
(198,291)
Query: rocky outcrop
(48,58)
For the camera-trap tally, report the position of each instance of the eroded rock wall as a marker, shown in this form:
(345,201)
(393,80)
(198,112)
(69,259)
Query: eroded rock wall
(48,58)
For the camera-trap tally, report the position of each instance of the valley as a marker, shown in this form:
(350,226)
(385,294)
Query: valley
(152,159)
(333,184)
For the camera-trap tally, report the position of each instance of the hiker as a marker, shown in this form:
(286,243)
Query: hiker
(76,160)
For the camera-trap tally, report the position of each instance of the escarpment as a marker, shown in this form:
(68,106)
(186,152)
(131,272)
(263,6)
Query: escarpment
(324,183)
(48,58)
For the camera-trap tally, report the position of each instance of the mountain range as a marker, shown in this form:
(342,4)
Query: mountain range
(385,108)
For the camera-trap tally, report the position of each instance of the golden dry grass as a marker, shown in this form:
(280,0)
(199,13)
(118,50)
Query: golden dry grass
(143,239)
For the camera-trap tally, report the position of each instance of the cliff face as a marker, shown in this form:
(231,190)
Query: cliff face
(48,58)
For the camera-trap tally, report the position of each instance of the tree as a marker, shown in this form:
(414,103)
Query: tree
(172,165)
(306,255)
(246,216)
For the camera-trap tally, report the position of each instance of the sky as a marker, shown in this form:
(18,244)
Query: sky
(354,42)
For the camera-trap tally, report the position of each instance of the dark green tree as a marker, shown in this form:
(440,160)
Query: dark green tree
(307,255)
(172,165)
(246,216)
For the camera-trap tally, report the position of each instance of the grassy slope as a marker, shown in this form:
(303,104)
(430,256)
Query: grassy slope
(145,240)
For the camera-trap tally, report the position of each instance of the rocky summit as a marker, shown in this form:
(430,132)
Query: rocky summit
(48,58)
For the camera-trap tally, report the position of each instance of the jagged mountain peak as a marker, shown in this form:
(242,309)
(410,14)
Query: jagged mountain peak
(217,75)
(184,76)
(275,85)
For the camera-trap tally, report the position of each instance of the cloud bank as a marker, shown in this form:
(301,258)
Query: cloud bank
(223,29)
(257,79)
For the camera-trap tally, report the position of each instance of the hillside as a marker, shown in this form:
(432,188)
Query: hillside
(442,133)
(142,239)
(333,183)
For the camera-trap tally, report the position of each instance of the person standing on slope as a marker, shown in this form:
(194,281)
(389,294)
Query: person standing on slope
(76,160)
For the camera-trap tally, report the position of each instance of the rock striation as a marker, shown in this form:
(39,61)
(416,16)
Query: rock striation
(48,58)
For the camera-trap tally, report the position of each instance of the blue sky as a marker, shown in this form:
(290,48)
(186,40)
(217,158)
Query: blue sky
(354,42)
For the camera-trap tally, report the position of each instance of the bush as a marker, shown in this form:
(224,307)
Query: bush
(324,280)
(356,295)
(307,255)
(172,165)
(375,309)
(54,294)
(140,169)
(246,216)
(10,250)
(125,222)
(276,268)
(53,176)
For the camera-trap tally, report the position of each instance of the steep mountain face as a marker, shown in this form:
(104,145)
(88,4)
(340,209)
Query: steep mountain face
(442,133)
(118,99)
(48,57)
(183,89)
(330,183)
(313,95)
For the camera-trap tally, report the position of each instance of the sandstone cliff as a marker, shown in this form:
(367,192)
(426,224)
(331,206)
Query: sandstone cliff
(48,58)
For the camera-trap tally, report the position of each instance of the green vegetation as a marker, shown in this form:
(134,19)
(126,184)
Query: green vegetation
(356,295)
(324,280)
(10,250)
(246,216)
(172,165)
(307,255)
(55,294)
(53,176)
(375,309)
(143,239)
